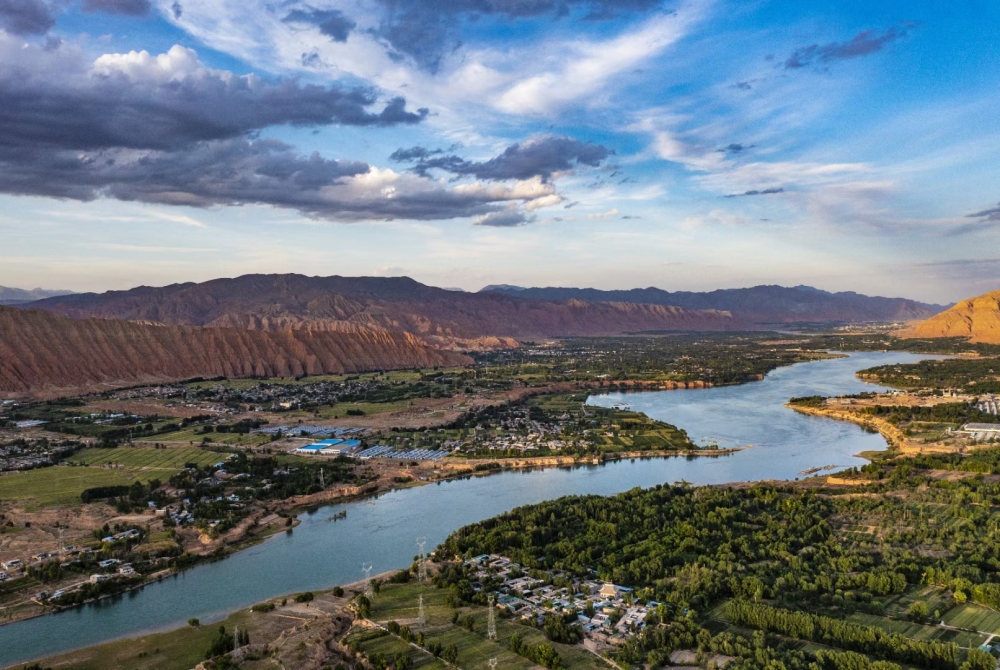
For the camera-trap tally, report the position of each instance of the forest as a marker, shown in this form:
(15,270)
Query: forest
(973,375)
(792,562)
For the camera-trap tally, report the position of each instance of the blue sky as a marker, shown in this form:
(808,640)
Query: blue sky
(690,144)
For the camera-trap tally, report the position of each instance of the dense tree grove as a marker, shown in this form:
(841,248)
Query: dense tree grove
(794,561)
(842,634)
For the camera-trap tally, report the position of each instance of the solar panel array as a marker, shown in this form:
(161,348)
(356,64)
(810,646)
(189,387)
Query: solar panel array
(372,452)
(418,455)
(383,451)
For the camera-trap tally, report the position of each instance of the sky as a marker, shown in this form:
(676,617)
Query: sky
(685,144)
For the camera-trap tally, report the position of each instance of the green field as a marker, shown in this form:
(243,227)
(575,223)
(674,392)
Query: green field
(174,650)
(917,631)
(196,436)
(970,615)
(398,602)
(147,457)
(339,411)
(62,485)
(380,642)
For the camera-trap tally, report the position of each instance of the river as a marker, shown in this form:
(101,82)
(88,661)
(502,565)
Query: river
(319,554)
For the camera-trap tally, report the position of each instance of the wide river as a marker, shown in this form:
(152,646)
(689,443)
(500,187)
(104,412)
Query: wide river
(320,554)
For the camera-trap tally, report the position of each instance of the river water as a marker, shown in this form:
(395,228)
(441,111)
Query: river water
(319,553)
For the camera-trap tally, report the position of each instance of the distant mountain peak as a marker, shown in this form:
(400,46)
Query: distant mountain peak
(762,305)
(501,287)
(17,296)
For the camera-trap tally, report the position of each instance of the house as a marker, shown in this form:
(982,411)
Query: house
(609,591)
(126,570)
(97,579)
(13,564)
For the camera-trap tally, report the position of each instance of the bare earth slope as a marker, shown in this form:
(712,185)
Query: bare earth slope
(352,304)
(976,318)
(44,354)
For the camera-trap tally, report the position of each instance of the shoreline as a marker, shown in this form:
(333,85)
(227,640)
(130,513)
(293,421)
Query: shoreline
(356,585)
(290,508)
(894,437)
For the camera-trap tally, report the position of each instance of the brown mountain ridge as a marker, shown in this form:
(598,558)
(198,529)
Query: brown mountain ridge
(371,304)
(976,318)
(48,355)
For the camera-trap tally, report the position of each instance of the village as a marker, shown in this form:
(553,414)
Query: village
(606,613)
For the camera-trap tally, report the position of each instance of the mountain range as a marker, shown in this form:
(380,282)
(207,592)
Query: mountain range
(290,324)
(440,317)
(758,305)
(20,296)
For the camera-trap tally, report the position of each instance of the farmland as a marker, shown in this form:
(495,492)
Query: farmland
(62,485)
(399,602)
(147,457)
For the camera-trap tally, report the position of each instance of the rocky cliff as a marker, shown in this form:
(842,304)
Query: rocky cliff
(45,354)
(976,318)
(366,304)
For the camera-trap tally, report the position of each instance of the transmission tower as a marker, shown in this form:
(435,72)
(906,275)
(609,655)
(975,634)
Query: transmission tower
(236,637)
(369,589)
(491,626)
(322,483)
(421,615)
(421,570)
(493,663)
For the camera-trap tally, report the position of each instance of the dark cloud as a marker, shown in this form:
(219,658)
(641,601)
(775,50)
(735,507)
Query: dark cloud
(736,148)
(124,7)
(987,219)
(26,17)
(176,10)
(426,30)
(743,85)
(241,171)
(508,217)
(331,22)
(413,154)
(864,43)
(169,131)
(992,214)
(539,157)
(53,98)
(766,191)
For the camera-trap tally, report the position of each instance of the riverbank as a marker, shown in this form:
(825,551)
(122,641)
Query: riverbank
(382,529)
(275,517)
(280,629)
(893,436)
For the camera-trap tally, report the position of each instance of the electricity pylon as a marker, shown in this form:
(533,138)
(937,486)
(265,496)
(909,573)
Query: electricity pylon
(491,625)
(421,570)
(369,589)
(421,615)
